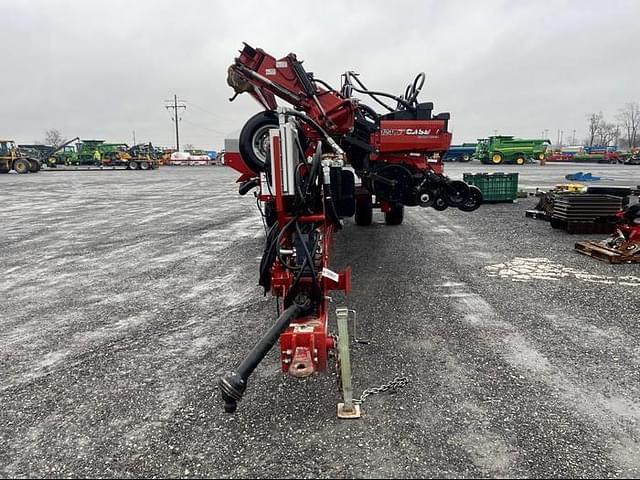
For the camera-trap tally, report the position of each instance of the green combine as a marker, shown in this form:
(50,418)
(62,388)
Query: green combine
(507,149)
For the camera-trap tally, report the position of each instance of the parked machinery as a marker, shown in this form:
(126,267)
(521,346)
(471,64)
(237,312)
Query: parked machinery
(460,153)
(26,158)
(507,149)
(51,156)
(143,156)
(299,159)
(11,158)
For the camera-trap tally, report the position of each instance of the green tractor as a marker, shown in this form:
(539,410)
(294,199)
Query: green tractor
(66,156)
(507,149)
(50,156)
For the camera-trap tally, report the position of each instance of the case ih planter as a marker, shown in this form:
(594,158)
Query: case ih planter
(296,159)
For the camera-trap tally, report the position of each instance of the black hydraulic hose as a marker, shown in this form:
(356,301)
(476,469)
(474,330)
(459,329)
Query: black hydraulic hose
(315,167)
(322,82)
(373,94)
(279,239)
(332,210)
(310,121)
(233,384)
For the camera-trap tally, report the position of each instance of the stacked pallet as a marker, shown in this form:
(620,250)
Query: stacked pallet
(584,213)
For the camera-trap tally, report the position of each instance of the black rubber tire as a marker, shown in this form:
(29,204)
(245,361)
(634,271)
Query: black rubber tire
(34,166)
(455,193)
(465,158)
(144,165)
(474,201)
(133,165)
(364,210)
(395,216)
(4,170)
(22,166)
(440,204)
(254,134)
(519,160)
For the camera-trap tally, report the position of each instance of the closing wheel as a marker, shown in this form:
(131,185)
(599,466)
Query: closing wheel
(22,165)
(133,165)
(364,210)
(474,201)
(455,193)
(519,160)
(144,165)
(440,204)
(497,158)
(254,139)
(395,215)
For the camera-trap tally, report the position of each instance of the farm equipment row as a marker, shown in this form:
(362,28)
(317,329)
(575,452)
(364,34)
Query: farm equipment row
(26,159)
(304,163)
(96,153)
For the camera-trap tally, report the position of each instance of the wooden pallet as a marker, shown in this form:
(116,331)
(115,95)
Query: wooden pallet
(600,252)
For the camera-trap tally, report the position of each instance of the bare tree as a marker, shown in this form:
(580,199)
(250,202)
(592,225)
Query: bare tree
(188,146)
(54,138)
(629,117)
(595,124)
(607,133)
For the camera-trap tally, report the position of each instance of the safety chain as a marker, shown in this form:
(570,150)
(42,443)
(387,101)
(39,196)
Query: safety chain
(392,387)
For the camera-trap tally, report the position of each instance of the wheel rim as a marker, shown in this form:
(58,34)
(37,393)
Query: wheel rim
(496,158)
(260,143)
(519,160)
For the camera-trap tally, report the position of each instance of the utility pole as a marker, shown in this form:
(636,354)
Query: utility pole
(573,142)
(176,116)
(134,136)
(561,134)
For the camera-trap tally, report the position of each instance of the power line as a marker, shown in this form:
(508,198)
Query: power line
(204,128)
(175,107)
(201,108)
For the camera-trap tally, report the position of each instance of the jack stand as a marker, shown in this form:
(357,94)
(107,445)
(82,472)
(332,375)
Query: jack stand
(346,409)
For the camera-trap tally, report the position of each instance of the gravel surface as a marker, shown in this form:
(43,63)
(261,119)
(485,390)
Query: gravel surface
(124,296)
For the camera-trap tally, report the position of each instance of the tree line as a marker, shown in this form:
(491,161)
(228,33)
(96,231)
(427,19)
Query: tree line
(623,132)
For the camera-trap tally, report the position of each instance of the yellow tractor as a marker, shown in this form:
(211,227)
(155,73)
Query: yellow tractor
(12,159)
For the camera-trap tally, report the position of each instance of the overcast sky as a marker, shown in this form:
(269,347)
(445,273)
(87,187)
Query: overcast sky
(100,69)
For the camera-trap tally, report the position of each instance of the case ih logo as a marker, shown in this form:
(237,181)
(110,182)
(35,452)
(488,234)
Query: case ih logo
(410,131)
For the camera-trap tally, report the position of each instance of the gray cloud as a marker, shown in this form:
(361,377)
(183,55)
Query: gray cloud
(101,69)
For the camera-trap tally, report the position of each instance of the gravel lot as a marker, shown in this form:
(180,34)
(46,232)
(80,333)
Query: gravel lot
(124,295)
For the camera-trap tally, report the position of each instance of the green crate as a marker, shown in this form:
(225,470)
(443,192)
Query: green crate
(495,187)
